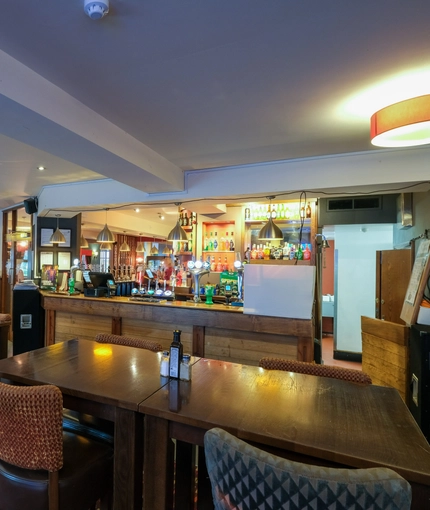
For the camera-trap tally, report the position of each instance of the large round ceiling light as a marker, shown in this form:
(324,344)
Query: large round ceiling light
(403,124)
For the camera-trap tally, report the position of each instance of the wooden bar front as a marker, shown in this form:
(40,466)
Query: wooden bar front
(215,331)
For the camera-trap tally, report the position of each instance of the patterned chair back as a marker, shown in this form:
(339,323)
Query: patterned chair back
(131,341)
(301,367)
(246,478)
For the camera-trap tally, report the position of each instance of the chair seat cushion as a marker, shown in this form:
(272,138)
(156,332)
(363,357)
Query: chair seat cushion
(25,488)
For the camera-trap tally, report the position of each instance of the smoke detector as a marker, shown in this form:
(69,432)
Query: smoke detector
(96,9)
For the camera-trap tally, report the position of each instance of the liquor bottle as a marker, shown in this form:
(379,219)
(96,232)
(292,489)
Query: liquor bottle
(226,268)
(292,252)
(206,246)
(211,243)
(226,246)
(299,252)
(254,252)
(260,254)
(308,210)
(216,242)
(231,242)
(190,243)
(213,264)
(175,354)
(185,219)
(307,253)
(266,252)
(302,212)
(247,214)
(219,265)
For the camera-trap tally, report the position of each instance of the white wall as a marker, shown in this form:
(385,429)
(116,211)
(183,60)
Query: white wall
(355,278)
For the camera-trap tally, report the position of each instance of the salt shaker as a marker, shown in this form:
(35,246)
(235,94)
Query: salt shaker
(185,371)
(164,364)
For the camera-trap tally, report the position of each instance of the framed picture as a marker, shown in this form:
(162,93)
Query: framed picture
(45,236)
(64,260)
(67,234)
(46,258)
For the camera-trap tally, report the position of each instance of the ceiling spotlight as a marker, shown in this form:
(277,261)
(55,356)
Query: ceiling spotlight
(160,216)
(96,9)
(41,168)
(137,209)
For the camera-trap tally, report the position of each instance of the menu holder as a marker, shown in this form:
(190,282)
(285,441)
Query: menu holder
(417,284)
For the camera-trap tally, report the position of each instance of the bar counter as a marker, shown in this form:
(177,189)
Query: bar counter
(216,331)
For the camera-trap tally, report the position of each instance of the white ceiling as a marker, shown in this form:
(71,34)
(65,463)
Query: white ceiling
(159,88)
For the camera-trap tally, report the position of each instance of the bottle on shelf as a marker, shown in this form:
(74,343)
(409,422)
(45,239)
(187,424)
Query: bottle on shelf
(211,243)
(266,252)
(216,242)
(190,243)
(213,263)
(221,243)
(302,212)
(226,246)
(260,254)
(292,252)
(175,355)
(308,210)
(307,253)
(219,265)
(225,268)
(247,213)
(299,252)
(231,247)
(254,252)
(286,251)
(185,219)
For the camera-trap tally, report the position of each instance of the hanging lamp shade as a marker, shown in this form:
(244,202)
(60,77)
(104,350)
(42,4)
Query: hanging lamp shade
(57,237)
(83,242)
(106,246)
(270,231)
(403,124)
(124,246)
(154,250)
(166,250)
(105,236)
(177,234)
(140,248)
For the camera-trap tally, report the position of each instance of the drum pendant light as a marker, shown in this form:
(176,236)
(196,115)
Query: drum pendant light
(403,124)
(105,236)
(57,237)
(270,231)
(177,233)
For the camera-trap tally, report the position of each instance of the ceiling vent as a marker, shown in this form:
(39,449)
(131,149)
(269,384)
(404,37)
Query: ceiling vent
(96,9)
(350,204)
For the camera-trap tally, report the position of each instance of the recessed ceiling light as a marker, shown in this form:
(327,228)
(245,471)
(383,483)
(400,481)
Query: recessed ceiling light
(41,168)
(137,209)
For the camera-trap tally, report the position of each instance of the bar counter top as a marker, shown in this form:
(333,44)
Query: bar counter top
(217,331)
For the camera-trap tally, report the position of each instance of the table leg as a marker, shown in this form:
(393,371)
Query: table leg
(128,460)
(158,465)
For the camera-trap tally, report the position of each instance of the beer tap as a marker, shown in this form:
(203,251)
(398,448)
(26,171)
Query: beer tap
(198,269)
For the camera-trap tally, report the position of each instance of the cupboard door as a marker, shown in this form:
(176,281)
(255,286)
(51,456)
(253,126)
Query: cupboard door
(393,271)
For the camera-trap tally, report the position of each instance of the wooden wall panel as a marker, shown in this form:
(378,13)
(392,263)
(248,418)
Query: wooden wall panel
(70,325)
(247,347)
(385,357)
(158,331)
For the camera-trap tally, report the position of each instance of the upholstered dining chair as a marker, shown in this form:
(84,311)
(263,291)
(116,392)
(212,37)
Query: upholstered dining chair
(131,341)
(302,367)
(41,466)
(244,477)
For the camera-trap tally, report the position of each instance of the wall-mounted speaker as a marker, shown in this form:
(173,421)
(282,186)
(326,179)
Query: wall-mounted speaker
(30,205)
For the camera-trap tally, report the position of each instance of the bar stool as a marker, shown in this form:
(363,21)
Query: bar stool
(5,322)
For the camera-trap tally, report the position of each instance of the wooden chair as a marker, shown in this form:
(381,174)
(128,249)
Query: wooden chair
(301,367)
(41,466)
(130,341)
(243,476)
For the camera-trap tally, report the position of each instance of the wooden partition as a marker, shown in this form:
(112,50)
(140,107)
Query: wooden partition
(386,353)
(218,332)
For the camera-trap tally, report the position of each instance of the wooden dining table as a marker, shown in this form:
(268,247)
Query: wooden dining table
(108,381)
(312,419)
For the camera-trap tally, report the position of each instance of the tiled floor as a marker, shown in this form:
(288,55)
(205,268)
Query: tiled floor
(327,355)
